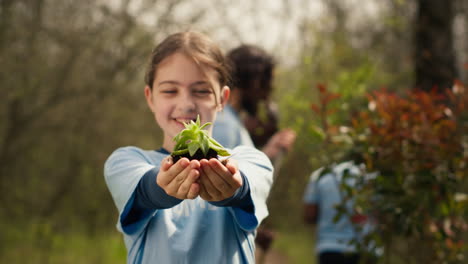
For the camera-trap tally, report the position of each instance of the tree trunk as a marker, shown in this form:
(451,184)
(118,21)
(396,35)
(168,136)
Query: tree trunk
(434,50)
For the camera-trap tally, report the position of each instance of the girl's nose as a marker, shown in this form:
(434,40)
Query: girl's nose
(186,103)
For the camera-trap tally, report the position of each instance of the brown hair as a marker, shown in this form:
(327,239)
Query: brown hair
(252,69)
(250,62)
(197,46)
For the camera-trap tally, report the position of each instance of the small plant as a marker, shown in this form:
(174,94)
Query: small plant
(194,143)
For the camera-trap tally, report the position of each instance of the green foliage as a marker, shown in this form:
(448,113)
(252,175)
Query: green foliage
(70,93)
(297,245)
(71,82)
(328,56)
(193,138)
(417,144)
(38,243)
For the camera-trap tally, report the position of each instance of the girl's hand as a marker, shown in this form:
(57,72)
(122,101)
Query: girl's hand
(180,179)
(218,181)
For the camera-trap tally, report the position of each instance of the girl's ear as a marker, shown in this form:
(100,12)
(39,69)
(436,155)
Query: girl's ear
(225,92)
(149,98)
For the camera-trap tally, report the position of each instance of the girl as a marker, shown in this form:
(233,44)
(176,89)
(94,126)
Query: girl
(188,211)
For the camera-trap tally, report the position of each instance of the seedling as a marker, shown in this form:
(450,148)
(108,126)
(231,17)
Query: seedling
(194,143)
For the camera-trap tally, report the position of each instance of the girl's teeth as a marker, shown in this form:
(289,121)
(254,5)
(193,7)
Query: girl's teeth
(183,120)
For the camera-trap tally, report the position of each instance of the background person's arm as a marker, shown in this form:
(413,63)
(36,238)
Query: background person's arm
(310,213)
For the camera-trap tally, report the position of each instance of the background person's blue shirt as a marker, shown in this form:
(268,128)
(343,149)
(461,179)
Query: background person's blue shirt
(229,130)
(193,231)
(323,190)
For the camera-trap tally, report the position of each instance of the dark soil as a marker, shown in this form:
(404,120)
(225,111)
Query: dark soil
(198,155)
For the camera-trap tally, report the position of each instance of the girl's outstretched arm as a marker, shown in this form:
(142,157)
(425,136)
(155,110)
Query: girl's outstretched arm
(164,188)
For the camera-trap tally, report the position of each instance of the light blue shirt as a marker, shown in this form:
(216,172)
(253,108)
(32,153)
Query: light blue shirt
(324,192)
(193,231)
(229,130)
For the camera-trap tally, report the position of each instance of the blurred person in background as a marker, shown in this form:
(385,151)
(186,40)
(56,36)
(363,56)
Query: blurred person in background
(336,239)
(251,118)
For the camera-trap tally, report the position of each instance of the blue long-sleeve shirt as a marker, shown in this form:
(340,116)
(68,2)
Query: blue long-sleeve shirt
(188,231)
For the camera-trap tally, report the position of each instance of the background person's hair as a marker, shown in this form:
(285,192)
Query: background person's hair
(252,74)
(248,64)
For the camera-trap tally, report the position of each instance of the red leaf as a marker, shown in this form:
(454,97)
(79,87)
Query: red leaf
(315,108)
(322,88)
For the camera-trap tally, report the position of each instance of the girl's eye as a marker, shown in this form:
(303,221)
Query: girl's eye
(203,92)
(169,91)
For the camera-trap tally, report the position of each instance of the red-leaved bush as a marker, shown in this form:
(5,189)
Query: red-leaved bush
(418,145)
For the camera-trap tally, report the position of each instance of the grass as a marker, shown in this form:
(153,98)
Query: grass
(70,248)
(297,245)
(40,245)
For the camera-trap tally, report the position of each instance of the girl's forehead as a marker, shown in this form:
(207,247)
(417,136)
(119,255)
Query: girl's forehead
(184,68)
(211,75)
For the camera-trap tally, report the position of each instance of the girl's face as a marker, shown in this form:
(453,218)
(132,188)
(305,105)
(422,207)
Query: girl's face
(181,91)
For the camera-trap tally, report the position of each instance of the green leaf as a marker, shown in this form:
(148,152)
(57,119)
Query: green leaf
(193,147)
(205,125)
(193,138)
(215,143)
(223,152)
(317,133)
(204,145)
(180,152)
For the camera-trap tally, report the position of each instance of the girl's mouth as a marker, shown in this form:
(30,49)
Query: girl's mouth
(184,120)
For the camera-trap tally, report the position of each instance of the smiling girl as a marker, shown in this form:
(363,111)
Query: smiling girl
(198,211)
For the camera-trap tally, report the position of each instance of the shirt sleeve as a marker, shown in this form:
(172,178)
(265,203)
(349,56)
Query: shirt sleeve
(149,195)
(258,170)
(123,171)
(311,193)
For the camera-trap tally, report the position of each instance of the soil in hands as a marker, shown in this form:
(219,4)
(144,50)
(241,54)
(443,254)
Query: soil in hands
(197,156)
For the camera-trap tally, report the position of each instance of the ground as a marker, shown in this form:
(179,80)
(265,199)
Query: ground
(272,257)
(275,257)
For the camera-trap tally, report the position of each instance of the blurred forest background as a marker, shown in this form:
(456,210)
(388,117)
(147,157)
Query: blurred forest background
(71,91)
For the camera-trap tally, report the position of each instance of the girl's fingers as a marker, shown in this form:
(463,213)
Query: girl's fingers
(204,194)
(166,163)
(194,191)
(229,174)
(170,171)
(218,167)
(205,180)
(179,186)
(186,185)
(210,179)
(231,165)
(216,174)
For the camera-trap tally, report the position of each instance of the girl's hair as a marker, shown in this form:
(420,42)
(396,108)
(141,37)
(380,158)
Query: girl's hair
(197,46)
